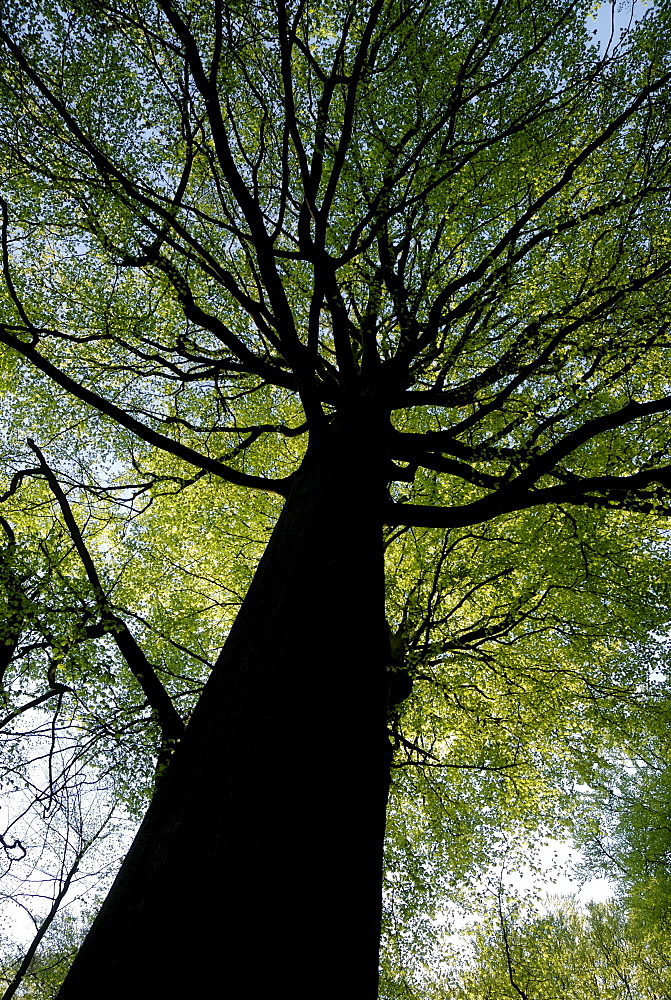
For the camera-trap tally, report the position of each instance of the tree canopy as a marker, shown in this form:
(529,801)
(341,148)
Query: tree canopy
(398,269)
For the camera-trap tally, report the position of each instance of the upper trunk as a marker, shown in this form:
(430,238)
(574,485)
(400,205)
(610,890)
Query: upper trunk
(258,866)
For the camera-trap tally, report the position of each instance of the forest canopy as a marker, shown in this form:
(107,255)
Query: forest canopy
(374,297)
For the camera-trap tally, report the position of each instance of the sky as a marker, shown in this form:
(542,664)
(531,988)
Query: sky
(612,17)
(560,861)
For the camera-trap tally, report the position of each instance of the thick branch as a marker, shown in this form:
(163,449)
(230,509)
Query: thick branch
(597,491)
(172,727)
(147,434)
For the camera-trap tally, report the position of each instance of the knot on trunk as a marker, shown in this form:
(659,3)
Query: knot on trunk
(400,686)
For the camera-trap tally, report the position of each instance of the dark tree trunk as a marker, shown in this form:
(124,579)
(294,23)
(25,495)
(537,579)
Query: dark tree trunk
(257,870)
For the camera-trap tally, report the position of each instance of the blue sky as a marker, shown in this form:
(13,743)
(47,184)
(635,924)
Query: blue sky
(617,14)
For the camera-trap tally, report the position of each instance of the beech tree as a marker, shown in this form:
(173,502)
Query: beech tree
(402,270)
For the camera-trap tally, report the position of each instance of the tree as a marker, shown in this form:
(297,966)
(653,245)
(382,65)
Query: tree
(398,264)
(634,836)
(594,952)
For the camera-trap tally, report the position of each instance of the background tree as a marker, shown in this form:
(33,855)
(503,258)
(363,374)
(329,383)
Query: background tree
(633,835)
(400,264)
(591,952)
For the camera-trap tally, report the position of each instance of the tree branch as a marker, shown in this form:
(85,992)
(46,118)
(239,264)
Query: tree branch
(147,434)
(596,491)
(172,727)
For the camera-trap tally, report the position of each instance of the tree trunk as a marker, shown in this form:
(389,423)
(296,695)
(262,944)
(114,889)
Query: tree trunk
(257,870)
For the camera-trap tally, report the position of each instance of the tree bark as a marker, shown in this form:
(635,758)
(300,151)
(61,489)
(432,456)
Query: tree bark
(258,868)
